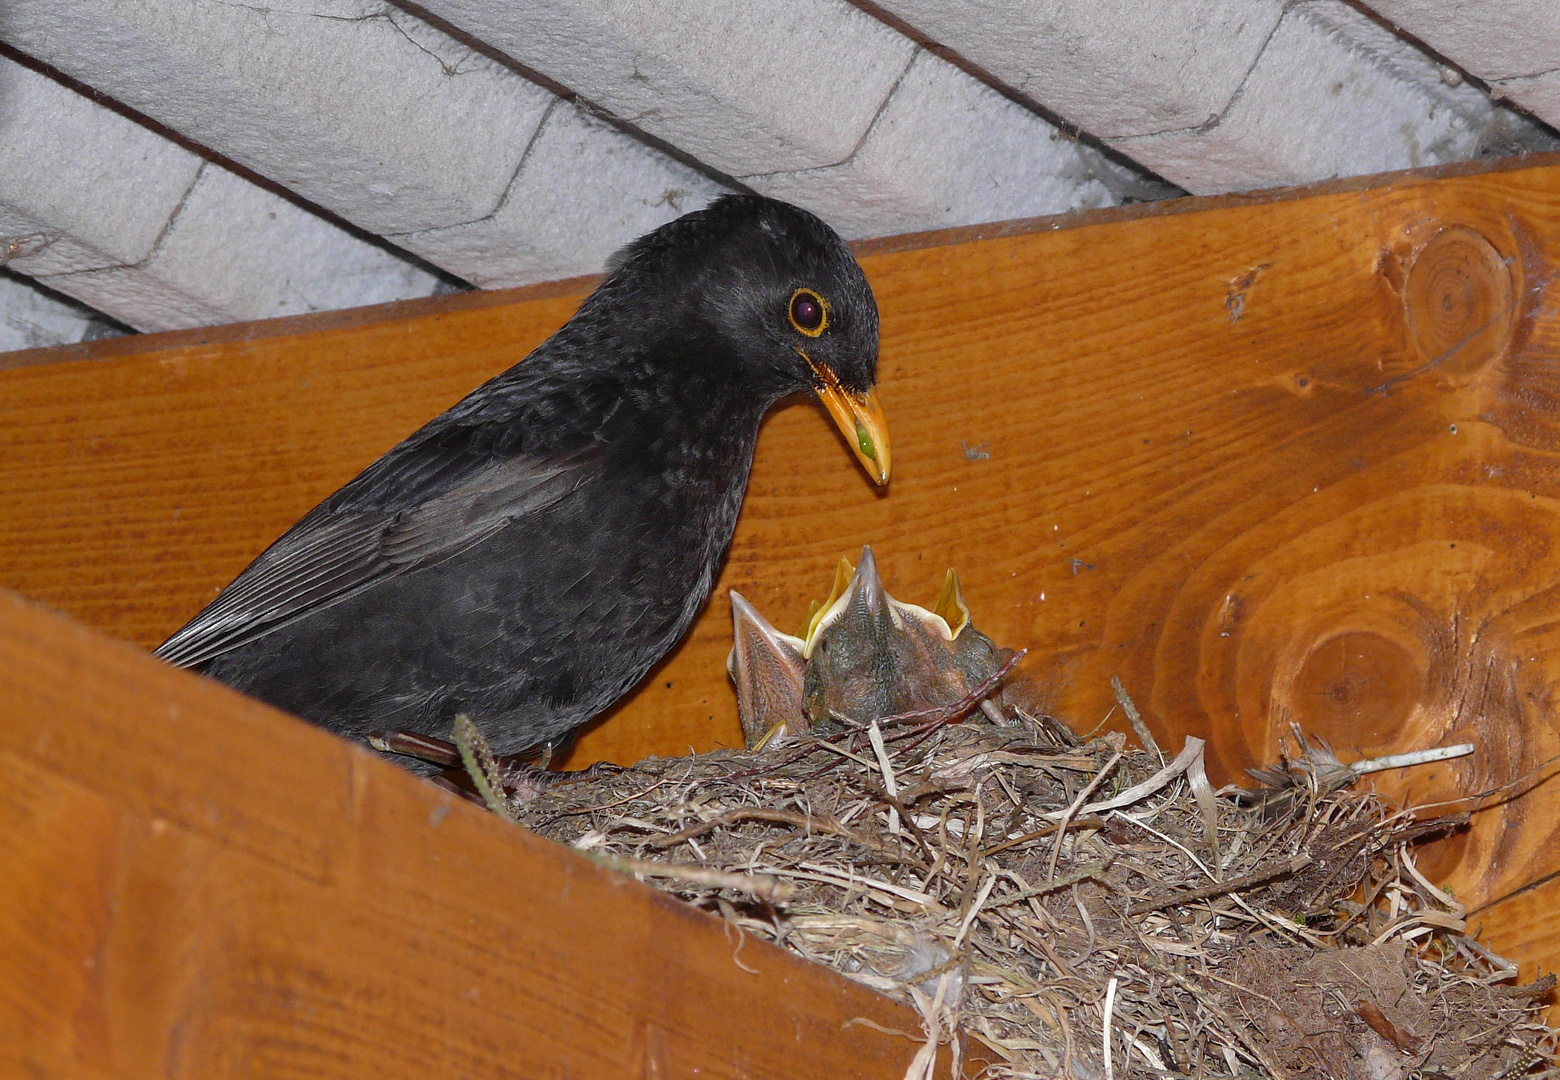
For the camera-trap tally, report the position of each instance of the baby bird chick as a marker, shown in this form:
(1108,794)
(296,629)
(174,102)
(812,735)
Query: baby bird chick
(863,656)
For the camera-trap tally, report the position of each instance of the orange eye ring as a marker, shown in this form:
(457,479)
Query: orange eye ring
(809,312)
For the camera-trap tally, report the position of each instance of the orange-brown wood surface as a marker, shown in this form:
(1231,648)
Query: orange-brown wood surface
(198,886)
(1521,928)
(1284,458)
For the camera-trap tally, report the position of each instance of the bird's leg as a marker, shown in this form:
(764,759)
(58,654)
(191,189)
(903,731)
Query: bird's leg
(526,775)
(423,747)
(443,780)
(522,781)
(515,778)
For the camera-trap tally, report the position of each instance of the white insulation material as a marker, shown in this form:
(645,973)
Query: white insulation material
(1512,45)
(374,116)
(812,101)
(584,191)
(101,209)
(1227,95)
(745,86)
(33,318)
(508,143)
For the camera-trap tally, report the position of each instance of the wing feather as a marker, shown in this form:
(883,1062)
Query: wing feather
(335,553)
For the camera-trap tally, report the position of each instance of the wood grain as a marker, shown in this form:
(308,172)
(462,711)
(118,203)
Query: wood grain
(199,886)
(1521,928)
(1291,458)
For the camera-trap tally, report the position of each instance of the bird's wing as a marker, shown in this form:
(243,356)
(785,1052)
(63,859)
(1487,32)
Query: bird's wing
(347,544)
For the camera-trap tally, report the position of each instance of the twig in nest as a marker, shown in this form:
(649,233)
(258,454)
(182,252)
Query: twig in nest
(822,823)
(763,886)
(1221,888)
(1044,831)
(1087,873)
(948,714)
(1063,816)
(1413,757)
(1145,736)
(1138,902)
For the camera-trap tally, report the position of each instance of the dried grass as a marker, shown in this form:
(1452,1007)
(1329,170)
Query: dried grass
(1059,907)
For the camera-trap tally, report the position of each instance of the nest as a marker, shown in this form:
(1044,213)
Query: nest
(1064,907)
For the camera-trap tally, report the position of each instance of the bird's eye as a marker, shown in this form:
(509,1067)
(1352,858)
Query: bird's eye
(809,314)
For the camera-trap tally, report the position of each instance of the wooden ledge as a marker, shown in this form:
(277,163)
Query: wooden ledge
(291,327)
(199,886)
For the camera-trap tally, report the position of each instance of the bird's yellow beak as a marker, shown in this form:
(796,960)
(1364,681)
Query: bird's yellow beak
(859,417)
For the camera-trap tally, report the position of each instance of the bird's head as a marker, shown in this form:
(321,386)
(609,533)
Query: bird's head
(870,656)
(861,656)
(785,298)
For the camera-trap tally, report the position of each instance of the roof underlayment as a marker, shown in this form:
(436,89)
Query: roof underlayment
(176,163)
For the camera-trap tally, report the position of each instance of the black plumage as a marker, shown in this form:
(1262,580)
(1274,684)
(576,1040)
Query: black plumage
(527,556)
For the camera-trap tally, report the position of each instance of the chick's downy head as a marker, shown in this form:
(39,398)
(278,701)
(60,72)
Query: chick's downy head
(870,656)
(863,656)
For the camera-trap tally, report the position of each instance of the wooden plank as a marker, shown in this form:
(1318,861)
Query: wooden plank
(198,885)
(438,308)
(1222,465)
(1521,927)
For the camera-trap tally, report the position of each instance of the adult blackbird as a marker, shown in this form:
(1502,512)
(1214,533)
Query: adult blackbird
(527,556)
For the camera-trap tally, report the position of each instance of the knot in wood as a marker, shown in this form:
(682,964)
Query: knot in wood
(1459,302)
(1357,688)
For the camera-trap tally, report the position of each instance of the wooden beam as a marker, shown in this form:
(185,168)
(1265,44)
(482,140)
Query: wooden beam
(198,885)
(1272,459)
(1521,928)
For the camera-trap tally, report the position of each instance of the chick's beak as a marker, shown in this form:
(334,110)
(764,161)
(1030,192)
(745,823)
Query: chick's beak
(859,417)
